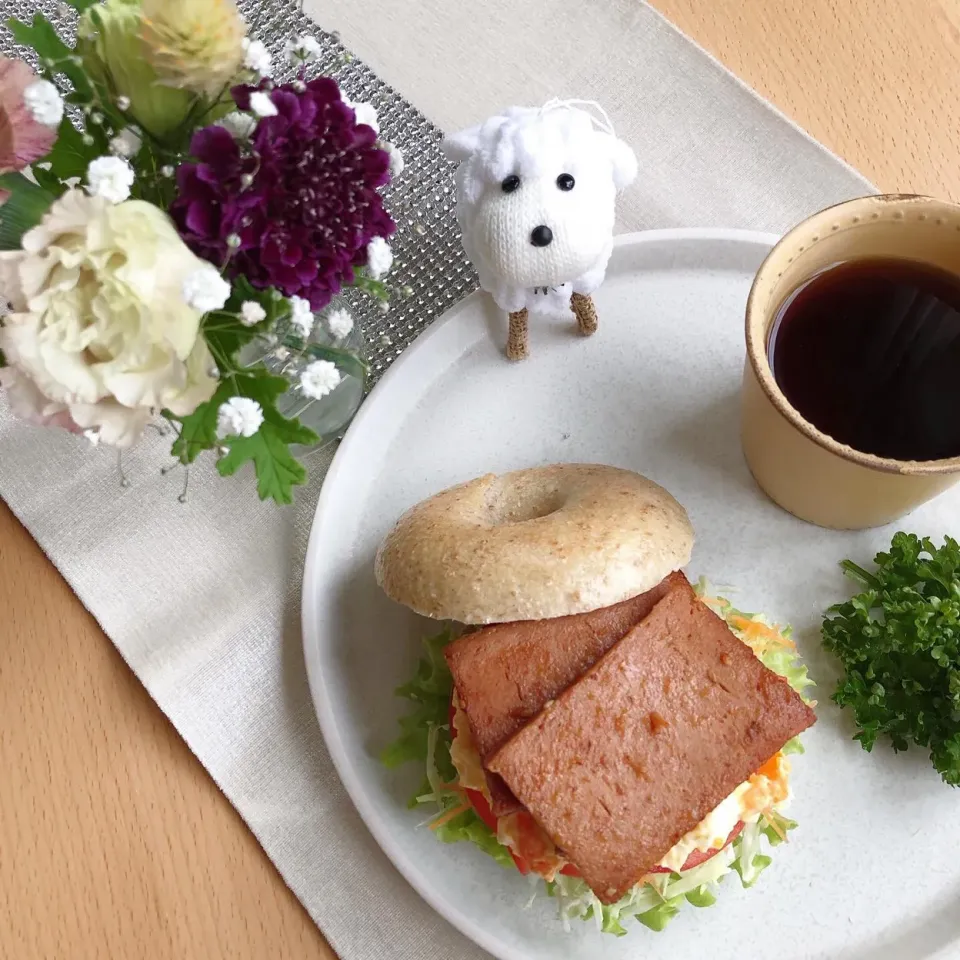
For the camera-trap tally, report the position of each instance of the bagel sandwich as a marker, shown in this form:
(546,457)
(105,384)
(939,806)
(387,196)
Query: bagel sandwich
(585,714)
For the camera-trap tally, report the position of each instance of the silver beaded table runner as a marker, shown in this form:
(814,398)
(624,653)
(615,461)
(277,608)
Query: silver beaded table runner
(203,599)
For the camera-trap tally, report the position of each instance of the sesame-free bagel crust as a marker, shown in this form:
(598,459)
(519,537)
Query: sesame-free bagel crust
(534,544)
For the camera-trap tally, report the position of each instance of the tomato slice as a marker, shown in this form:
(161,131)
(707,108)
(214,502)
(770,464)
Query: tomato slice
(482,807)
(479,803)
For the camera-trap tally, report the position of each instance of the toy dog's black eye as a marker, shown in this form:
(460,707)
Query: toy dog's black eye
(565,181)
(510,183)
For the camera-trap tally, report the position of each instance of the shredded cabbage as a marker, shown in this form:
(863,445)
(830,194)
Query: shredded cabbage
(426,737)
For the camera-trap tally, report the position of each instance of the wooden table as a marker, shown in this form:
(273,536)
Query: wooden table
(114,842)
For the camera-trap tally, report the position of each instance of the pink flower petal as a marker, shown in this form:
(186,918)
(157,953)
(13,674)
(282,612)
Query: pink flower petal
(22,139)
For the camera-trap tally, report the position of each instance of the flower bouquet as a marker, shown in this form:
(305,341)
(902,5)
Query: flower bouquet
(175,228)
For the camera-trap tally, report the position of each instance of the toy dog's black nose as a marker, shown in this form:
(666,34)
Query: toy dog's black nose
(541,236)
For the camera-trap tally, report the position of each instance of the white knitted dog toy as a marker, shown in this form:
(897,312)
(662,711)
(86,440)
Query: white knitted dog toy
(536,191)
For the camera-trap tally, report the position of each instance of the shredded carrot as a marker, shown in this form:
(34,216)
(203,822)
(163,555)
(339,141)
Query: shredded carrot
(449,815)
(756,630)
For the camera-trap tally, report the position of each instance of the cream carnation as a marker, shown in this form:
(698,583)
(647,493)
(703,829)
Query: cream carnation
(99,337)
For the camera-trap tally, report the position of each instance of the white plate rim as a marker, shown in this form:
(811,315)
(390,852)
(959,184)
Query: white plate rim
(309,617)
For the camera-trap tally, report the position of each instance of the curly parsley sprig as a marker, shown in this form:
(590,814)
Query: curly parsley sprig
(899,641)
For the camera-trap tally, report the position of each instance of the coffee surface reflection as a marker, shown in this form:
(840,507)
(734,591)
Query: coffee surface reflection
(868,351)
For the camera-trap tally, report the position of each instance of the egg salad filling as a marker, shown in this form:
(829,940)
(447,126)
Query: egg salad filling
(730,839)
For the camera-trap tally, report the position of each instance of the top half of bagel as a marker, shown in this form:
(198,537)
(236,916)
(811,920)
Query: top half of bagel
(534,544)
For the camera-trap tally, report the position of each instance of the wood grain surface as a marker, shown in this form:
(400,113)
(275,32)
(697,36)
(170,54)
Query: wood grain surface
(114,842)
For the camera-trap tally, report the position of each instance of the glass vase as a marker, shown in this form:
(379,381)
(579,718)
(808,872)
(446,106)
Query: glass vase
(287,354)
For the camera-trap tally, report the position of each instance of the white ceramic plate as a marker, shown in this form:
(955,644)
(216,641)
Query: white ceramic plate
(874,869)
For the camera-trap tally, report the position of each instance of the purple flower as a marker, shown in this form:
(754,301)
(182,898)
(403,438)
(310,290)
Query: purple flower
(302,197)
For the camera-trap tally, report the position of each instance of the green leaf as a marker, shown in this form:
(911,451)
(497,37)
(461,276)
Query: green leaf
(702,897)
(278,471)
(793,746)
(610,923)
(41,36)
(371,287)
(657,918)
(54,54)
(469,827)
(48,180)
(198,430)
(776,835)
(23,209)
(70,156)
(226,335)
(429,691)
(81,5)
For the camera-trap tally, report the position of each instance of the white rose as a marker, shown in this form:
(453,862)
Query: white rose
(98,330)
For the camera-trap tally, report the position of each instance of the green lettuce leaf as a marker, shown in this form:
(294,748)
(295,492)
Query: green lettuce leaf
(703,896)
(657,918)
(429,691)
(468,826)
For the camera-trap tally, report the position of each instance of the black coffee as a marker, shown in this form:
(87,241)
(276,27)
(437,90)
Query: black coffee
(869,352)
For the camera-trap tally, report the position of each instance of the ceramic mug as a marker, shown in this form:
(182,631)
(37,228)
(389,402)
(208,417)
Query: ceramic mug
(800,468)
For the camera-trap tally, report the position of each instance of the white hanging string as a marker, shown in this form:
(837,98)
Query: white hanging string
(603,124)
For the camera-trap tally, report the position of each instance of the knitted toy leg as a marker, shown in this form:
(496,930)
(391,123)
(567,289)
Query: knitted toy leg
(517,340)
(586,311)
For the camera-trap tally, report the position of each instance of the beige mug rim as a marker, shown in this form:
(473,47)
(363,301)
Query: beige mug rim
(757,346)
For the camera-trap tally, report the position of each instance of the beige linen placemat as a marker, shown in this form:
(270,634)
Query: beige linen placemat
(202,599)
